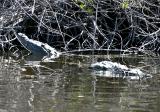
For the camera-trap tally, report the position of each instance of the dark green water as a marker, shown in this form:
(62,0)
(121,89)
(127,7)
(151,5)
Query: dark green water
(67,85)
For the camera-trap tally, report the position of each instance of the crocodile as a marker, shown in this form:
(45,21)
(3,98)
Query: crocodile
(114,69)
(37,48)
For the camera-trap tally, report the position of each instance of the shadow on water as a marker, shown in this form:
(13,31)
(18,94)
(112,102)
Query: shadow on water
(67,85)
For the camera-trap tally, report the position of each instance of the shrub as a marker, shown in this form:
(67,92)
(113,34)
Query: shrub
(83,24)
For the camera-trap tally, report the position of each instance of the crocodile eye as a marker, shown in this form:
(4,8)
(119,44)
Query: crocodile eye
(42,45)
(49,50)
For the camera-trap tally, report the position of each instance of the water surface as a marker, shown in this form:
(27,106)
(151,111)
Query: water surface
(66,84)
